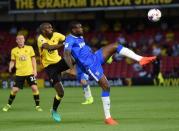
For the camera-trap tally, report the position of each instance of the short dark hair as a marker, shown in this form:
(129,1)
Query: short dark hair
(73,24)
(41,27)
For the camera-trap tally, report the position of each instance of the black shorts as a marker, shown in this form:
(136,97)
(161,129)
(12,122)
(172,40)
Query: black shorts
(54,71)
(19,81)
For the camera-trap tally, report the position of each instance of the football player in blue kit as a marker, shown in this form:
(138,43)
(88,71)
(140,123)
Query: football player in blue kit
(90,62)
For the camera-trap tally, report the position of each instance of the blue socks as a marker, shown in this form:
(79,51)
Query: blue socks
(119,48)
(105,93)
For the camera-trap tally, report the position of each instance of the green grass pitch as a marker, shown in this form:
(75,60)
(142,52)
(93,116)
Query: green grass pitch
(136,109)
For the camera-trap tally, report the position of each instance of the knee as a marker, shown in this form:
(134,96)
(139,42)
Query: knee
(106,87)
(14,90)
(59,89)
(34,88)
(115,45)
(83,82)
(61,94)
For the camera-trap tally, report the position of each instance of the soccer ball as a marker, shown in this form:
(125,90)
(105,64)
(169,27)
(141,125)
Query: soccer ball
(154,15)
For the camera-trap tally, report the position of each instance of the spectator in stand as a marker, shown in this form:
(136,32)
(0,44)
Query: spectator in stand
(158,37)
(164,26)
(169,36)
(175,49)
(30,41)
(156,71)
(13,30)
(86,28)
(2,38)
(143,40)
(95,43)
(103,27)
(132,44)
(117,27)
(104,41)
(163,50)
(117,57)
(140,71)
(140,27)
(121,39)
(156,50)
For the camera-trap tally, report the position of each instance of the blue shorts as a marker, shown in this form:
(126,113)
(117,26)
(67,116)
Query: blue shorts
(99,55)
(96,70)
(81,75)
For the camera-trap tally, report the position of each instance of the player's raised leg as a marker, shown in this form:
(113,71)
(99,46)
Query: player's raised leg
(109,50)
(11,99)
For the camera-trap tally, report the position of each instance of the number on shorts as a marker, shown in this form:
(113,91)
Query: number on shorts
(32,78)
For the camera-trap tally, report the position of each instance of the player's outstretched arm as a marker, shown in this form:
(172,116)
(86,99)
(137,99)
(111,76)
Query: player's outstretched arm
(70,72)
(109,50)
(68,58)
(51,47)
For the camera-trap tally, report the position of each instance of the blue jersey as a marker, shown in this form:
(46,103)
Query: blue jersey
(88,61)
(82,53)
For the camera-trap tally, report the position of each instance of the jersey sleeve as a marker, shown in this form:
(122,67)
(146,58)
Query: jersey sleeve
(41,41)
(68,43)
(13,57)
(61,37)
(32,53)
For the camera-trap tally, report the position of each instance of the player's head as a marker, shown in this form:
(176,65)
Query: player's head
(76,28)
(20,40)
(46,29)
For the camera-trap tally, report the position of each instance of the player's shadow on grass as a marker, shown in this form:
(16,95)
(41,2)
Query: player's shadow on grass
(42,122)
(31,121)
(83,121)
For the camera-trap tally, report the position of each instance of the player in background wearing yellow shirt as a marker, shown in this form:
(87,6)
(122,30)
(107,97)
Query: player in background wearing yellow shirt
(23,58)
(48,43)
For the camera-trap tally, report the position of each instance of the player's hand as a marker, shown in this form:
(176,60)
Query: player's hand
(72,72)
(35,73)
(10,70)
